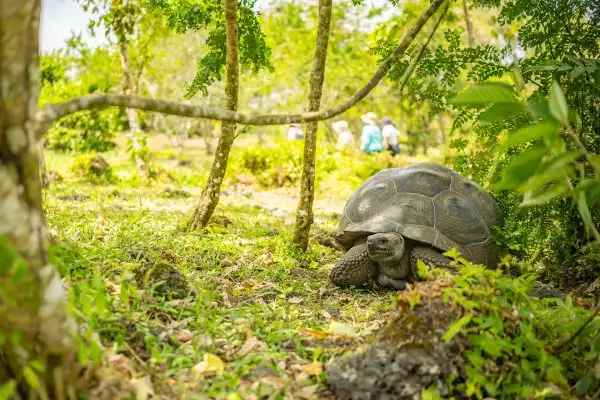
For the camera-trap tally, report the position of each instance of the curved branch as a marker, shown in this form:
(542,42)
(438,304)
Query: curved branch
(415,61)
(53,112)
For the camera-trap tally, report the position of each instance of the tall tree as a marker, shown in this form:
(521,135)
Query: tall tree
(35,324)
(210,195)
(304,214)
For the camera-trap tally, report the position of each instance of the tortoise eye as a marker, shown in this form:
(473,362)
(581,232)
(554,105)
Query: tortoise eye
(384,241)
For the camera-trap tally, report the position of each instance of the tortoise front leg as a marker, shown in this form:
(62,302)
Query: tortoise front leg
(354,268)
(428,256)
(386,281)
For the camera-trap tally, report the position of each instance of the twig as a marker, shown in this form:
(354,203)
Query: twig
(415,61)
(580,329)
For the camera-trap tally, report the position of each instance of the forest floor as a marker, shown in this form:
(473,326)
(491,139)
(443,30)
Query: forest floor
(256,317)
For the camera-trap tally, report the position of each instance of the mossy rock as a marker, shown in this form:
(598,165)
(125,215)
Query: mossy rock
(163,278)
(407,357)
(93,168)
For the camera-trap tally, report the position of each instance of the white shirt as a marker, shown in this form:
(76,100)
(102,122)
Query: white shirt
(345,139)
(391,134)
(295,133)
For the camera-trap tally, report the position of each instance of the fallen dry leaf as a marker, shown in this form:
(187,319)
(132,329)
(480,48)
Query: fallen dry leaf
(338,328)
(209,365)
(295,300)
(314,333)
(308,392)
(143,387)
(122,364)
(252,345)
(273,381)
(314,368)
(184,335)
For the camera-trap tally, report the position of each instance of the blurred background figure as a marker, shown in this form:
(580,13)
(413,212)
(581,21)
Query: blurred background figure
(295,132)
(345,140)
(371,140)
(390,136)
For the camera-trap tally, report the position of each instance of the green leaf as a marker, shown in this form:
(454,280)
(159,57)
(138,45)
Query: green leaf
(521,168)
(31,378)
(584,211)
(576,72)
(597,344)
(558,103)
(484,94)
(7,256)
(499,111)
(541,109)
(487,343)
(7,390)
(595,160)
(456,327)
(583,386)
(529,133)
(552,192)
(553,169)
(431,393)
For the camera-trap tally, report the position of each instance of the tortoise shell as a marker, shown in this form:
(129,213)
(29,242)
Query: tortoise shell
(426,202)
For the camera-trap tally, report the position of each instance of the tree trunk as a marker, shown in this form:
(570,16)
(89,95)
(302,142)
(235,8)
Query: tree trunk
(132,115)
(470,34)
(210,195)
(33,306)
(304,213)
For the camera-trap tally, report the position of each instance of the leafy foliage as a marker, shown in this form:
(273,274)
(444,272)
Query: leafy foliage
(184,15)
(520,346)
(85,131)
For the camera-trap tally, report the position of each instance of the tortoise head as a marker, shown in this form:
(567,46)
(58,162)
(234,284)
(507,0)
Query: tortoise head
(385,247)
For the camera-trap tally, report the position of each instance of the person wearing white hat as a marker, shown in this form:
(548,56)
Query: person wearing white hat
(345,137)
(371,140)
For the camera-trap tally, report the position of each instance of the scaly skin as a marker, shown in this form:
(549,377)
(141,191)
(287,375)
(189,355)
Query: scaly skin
(354,268)
(428,256)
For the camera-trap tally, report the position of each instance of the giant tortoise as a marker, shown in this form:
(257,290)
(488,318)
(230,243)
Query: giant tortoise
(401,215)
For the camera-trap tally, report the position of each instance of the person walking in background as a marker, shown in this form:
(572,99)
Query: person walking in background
(345,138)
(371,140)
(390,136)
(295,132)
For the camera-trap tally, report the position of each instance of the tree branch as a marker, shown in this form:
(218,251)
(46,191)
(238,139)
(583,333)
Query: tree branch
(415,61)
(53,112)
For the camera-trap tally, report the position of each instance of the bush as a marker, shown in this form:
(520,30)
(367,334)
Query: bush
(281,164)
(85,131)
(93,168)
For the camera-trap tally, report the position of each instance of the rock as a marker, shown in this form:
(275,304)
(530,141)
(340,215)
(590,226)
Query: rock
(173,281)
(408,356)
(74,196)
(222,220)
(169,192)
(546,291)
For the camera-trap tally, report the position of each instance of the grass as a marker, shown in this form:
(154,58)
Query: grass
(254,304)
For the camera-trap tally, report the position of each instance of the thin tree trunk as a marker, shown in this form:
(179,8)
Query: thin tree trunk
(33,306)
(210,195)
(304,214)
(470,34)
(132,115)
